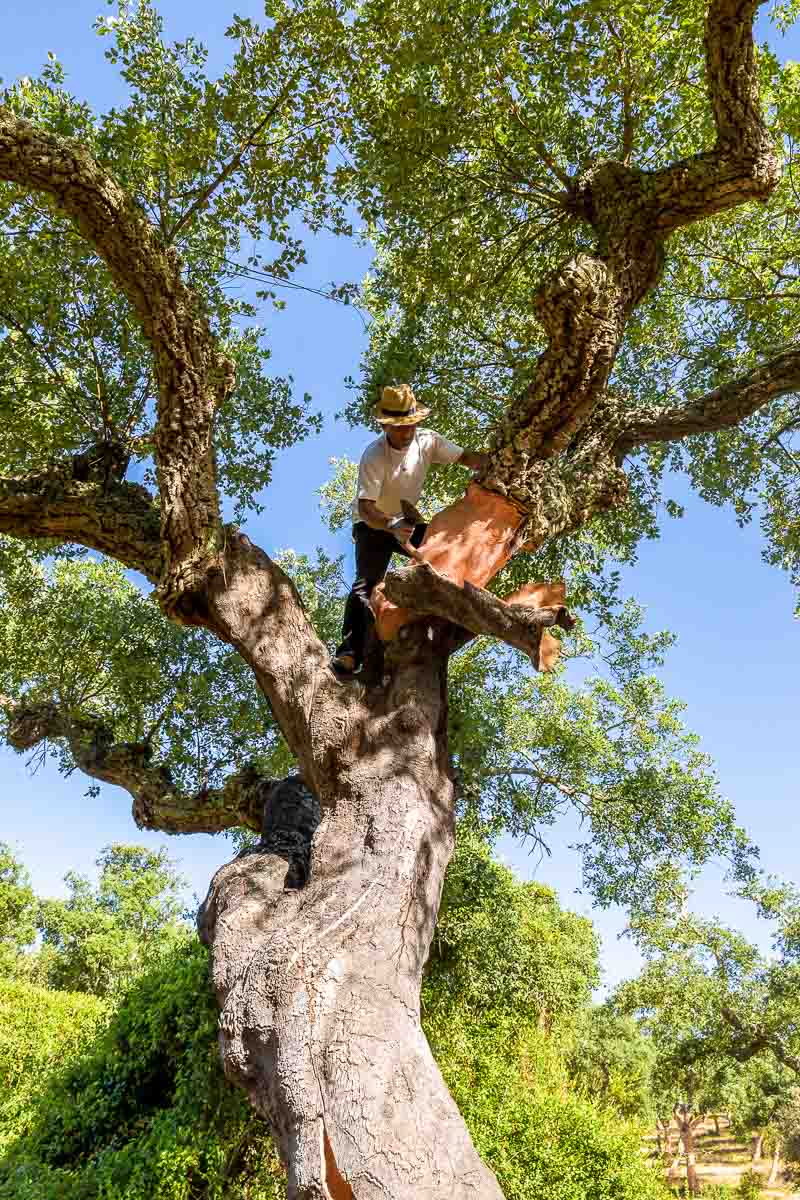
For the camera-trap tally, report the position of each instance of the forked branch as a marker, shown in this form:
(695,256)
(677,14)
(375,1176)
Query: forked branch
(743,165)
(425,590)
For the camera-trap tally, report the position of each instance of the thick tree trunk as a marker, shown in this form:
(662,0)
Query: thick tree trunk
(716,1125)
(756,1147)
(319,986)
(775,1166)
(692,1180)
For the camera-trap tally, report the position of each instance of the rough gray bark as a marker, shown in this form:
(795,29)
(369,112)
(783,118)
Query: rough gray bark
(68,503)
(721,408)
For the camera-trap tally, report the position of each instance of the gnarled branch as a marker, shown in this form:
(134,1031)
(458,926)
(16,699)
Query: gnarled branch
(80,500)
(720,408)
(193,375)
(743,164)
(157,802)
(423,589)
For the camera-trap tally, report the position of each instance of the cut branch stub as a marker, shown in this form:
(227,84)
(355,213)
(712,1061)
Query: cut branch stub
(522,625)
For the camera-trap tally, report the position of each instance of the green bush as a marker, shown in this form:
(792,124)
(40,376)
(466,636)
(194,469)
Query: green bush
(39,1031)
(144,1112)
(543,1140)
(750,1186)
(134,1106)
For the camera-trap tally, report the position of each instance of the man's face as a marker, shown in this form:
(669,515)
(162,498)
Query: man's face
(400,437)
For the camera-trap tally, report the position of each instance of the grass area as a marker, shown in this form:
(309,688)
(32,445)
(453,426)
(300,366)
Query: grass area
(722,1160)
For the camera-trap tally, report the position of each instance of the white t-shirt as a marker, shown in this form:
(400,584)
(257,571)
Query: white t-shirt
(388,476)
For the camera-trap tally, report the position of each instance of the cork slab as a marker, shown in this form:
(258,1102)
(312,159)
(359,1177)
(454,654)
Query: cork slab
(470,540)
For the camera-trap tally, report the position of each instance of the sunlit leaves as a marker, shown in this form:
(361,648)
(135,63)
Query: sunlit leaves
(467,120)
(101,937)
(17,910)
(506,946)
(82,636)
(613,751)
(223,167)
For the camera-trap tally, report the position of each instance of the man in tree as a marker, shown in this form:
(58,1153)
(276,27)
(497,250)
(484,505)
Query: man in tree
(391,475)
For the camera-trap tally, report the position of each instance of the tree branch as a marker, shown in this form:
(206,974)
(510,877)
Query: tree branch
(752,1042)
(253,606)
(743,164)
(157,802)
(720,408)
(193,375)
(425,590)
(233,164)
(83,500)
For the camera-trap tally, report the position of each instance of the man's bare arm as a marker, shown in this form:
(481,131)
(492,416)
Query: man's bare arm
(371,515)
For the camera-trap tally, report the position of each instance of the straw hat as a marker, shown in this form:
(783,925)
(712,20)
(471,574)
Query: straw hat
(398,406)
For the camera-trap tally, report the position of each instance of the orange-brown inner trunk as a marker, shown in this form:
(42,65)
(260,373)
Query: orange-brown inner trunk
(470,541)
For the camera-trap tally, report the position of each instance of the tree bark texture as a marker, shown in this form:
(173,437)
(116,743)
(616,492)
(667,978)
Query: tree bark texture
(584,306)
(193,375)
(555,461)
(756,1147)
(319,987)
(67,502)
(775,1166)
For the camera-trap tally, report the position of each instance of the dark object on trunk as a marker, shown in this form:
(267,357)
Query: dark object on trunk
(291,815)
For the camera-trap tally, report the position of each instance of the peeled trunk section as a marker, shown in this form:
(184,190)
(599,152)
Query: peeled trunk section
(469,541)
(319,986)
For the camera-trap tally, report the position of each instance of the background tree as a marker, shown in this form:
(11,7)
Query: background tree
(100,938)
(17,910)
(612,1059)
(135,354)
(127,1095)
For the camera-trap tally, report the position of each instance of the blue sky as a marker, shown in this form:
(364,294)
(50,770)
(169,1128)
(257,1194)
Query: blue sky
(736,663)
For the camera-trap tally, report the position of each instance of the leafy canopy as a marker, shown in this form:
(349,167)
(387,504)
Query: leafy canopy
(452,149)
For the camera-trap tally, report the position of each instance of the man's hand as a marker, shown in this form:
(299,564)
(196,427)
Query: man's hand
(474,460)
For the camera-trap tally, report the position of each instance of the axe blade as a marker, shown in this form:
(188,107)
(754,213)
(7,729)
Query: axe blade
(411,513)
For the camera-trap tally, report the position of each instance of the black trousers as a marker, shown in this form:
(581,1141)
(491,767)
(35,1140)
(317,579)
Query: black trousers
(374,548)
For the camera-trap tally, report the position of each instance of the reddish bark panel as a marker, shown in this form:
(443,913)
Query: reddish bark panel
(470,540)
